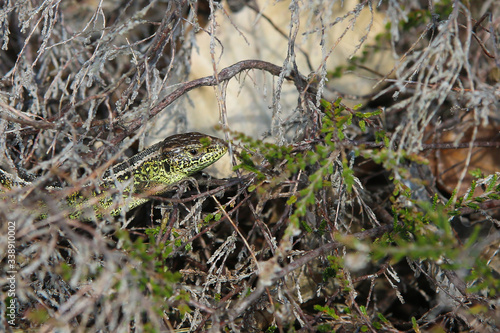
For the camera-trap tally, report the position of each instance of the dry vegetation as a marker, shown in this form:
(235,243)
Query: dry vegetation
(376,217)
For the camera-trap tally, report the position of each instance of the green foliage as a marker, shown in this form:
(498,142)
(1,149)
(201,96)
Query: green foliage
(337,73)
(416,18)
(153,275)
(422,229)
(424,232)
(272,329)
(209,217)
(415,324)
(324,328)
(65,270)
(153,231)
(327,310)
(248,165)
(476,173)
(183,307)
(39,315)
(334,268)
(443,8)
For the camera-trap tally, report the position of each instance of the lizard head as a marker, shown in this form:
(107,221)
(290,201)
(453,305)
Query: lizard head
(167,162)
(190,152)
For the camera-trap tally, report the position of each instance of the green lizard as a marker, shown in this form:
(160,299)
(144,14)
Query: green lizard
(150,172)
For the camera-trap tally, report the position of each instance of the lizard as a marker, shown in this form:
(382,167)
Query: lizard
(152,171)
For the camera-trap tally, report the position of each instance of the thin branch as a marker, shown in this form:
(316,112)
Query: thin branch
(224,75)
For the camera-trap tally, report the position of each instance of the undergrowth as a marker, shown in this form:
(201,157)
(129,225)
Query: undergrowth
(379,217)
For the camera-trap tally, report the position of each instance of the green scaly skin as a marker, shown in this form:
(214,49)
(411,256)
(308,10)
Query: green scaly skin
(153,172)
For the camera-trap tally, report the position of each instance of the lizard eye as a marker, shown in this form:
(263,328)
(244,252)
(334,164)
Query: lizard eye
(193,151)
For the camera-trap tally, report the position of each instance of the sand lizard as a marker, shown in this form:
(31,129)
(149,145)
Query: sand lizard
(153,171)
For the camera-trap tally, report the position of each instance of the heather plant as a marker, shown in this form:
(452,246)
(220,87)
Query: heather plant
(362,187)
